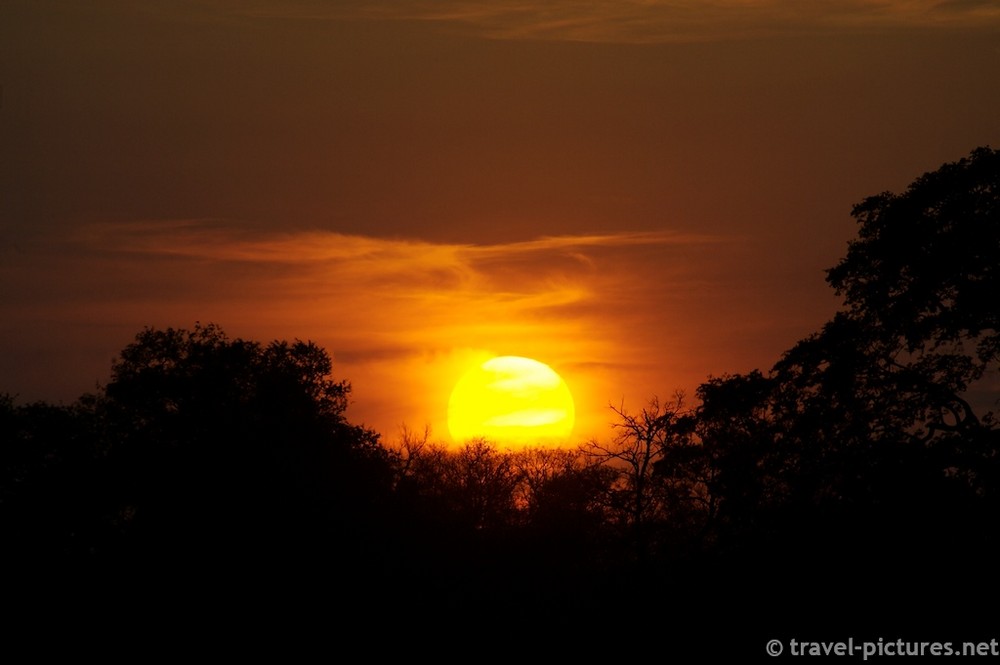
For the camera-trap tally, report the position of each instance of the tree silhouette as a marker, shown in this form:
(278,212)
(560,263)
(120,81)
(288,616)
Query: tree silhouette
(889,378)
(214,456)
(53,506)
(561,493)
(641,440)
(736,467)
(864,445)
(924,270)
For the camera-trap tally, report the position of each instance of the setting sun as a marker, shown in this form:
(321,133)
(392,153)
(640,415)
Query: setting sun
(512,401)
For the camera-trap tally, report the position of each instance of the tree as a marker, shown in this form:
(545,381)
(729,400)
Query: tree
(736,468)
(226,445)
(53,506)
(872,426)
(895,375)
(482,482)
(641,440)
(563,499)
(922,279)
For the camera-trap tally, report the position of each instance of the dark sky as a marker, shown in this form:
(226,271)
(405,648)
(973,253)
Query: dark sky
(639,194)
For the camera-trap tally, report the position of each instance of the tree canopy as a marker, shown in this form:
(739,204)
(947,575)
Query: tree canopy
(925,267)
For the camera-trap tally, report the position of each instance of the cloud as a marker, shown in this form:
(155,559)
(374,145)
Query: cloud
(435,291)
(402,317)
(648,21)
(619,315)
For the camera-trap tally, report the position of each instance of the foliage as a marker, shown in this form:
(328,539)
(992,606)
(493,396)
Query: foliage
(201,447)
(891,382)
(925,268)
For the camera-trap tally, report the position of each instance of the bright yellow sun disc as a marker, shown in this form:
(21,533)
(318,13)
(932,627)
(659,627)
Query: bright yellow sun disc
(511,400)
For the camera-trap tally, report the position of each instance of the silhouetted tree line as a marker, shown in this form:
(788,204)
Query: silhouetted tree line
(865,462)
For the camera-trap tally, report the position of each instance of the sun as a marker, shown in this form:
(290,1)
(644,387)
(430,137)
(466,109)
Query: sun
(511,401)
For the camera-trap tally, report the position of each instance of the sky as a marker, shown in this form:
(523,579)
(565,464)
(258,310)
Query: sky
(641,194)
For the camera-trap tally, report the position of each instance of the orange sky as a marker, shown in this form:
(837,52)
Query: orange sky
(639,194)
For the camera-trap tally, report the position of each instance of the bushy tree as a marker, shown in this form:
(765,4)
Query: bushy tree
(924,272)
(879,417)
(201,450)
(897,375)
(54,503)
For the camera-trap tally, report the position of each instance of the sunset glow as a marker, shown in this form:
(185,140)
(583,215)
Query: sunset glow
(513,402)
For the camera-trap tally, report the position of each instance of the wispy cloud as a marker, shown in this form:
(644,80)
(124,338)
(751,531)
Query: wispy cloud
(401,315)
(649,21)
(437,292)
(626,314)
